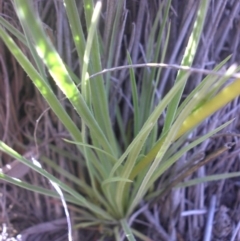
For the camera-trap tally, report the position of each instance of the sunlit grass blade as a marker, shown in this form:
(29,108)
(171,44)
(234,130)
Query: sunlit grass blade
(99,99)
(187,60)
(91,33)
(22,38)
(76,28)
(42,86)
(58,70)
(164,144)
(171,160)
(225,96)
(221,99)
(203,82)
(86,92)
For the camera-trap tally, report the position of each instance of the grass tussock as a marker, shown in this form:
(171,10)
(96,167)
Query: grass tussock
(119,143)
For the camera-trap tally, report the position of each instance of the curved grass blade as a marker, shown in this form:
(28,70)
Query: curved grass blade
(6,149)
(58,70)
(33,188)
(187,60)
(42,86)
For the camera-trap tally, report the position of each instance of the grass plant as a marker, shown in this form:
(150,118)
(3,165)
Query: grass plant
(121,170)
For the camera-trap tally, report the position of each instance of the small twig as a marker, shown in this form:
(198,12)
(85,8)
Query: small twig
(170,66)
(210,218)
(225,134)
(235,232)
(193,212)
(194,168)
(158,227)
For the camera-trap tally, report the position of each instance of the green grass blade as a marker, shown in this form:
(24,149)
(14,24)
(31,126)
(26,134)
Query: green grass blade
(112,158)
(149,123)
(147,93)
(187,60)
(99,99)
(206,79)
(6,149)
(33,188)
(168,163)
(13,30)
(127,230)
(112,36)
(58,70)
(76,27)
(172,135)
(65,173)
(115,179)
(186,126)
(42,86)
(85,75)
(134,97)
(211,178)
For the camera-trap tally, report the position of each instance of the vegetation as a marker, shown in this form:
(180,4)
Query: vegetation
(121,131)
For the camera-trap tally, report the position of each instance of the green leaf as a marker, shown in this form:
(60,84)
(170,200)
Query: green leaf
(187,60)
(127,230)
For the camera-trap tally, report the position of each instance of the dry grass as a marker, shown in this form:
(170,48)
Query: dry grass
(183,213)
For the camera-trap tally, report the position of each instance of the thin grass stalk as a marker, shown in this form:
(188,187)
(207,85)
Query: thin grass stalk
(147,95)
(76,28)
(136,124)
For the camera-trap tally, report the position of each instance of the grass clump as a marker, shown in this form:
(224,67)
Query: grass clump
(121,170)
